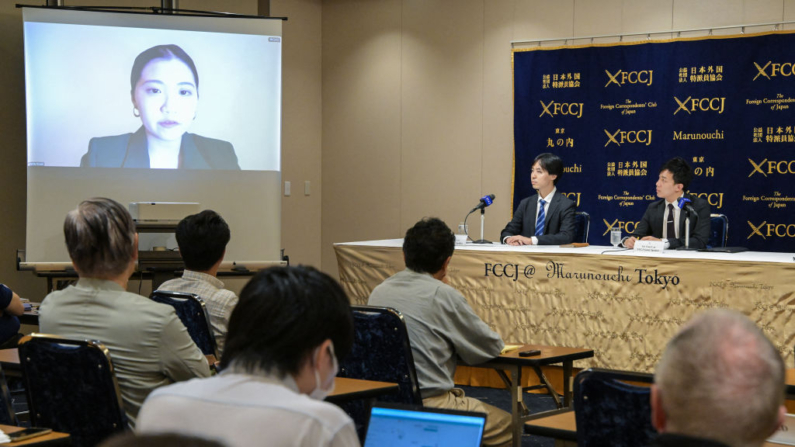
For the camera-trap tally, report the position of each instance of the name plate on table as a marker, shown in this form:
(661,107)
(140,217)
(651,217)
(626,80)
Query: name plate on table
(786,433)
(650,246)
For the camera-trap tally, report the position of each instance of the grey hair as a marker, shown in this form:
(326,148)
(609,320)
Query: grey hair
(100,238)
(720,378)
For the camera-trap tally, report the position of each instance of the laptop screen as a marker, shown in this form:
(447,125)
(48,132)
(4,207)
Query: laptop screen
(395,427)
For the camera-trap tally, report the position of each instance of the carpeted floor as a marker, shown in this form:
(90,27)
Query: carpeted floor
(502,399)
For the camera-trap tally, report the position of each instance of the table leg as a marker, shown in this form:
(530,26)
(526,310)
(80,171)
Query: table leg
(545,384)
(517,401)
(567,370)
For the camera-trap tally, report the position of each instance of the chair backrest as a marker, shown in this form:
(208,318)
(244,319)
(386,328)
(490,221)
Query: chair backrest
(611,412)
(582,221)
(7,414)
(380,351)
(71,387)
(718,230)
(192,311)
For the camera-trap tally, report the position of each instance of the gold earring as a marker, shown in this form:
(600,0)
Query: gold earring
(136,113)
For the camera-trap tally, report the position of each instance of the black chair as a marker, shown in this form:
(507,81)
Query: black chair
(192,311)
(381,352)
(611,412)
(582,222)
(718,230)
(71,388)
(7,414)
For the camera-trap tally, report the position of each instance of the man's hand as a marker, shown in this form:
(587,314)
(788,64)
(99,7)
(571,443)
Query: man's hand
(630,242)
(519,240)
(650,238)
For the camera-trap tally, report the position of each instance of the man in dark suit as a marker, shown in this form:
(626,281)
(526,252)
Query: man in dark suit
(546,218)
(664,219)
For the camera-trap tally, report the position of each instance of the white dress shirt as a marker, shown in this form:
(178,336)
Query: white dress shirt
(677,210)
(242,410)
(547,200)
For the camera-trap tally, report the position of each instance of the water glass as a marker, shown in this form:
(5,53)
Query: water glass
(615,236)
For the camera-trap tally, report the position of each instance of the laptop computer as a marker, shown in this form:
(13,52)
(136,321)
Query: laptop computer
(394,425)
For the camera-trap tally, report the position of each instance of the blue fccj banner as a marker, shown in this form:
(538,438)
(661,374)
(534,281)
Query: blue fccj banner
(616,113)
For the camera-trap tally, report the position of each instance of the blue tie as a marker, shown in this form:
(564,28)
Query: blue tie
(540,220)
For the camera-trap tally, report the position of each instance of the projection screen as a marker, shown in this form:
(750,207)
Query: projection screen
(153,108)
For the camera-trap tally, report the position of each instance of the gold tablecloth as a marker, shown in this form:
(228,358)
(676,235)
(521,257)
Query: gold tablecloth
(624,306)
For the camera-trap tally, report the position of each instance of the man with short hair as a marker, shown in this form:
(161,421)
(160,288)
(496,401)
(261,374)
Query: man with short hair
(545,218)
(664,219)
(202,240)
(280,363)
(720,383)
(148,344)
(441,325)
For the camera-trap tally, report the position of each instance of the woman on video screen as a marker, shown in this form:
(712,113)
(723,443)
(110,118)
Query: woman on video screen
(164,86)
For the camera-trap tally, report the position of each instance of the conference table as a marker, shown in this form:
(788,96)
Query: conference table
(52,438)
(623,304)
(514,364)
(346,389)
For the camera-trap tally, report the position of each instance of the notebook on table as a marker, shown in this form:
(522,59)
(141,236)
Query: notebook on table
(403,426)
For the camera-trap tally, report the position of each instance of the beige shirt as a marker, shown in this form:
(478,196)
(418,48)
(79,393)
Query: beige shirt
(148,345)
(242,410)
(219,301)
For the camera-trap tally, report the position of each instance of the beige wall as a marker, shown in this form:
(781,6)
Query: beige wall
(410,101)
(417,99)
(301,130)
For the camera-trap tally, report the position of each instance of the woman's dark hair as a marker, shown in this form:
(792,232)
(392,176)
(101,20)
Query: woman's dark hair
(161,52)
(550,163)
(680,169)
(283,315)
(202,239)
(427,245)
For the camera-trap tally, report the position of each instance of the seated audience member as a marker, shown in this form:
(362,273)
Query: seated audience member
(202,240)
(10,308)
(441,325)
(664,219)
(148,344)
(545,218)
(279,365)
(720,383)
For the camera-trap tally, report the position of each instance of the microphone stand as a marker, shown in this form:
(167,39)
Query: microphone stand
(482,227)
(687,232)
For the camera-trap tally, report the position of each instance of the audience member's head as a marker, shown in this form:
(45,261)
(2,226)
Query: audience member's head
(680,170)
(165,440)
(290,321)
(719,378)
(101,238)
(202,240)
(428,245)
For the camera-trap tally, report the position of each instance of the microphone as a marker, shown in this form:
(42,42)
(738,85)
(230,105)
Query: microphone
(686,204)
(484,202)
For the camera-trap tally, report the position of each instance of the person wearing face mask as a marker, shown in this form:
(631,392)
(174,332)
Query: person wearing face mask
(280,362)
(164,88)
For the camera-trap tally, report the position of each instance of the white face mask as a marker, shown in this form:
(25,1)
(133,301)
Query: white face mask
(320,393)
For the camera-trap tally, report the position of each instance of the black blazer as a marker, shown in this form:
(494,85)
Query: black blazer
(652,223)
(130,151)
(559,225)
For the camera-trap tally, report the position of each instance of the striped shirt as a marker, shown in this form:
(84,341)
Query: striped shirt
(220,302)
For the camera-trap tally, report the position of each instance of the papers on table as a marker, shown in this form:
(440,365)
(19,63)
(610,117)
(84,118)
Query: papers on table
(509,348)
